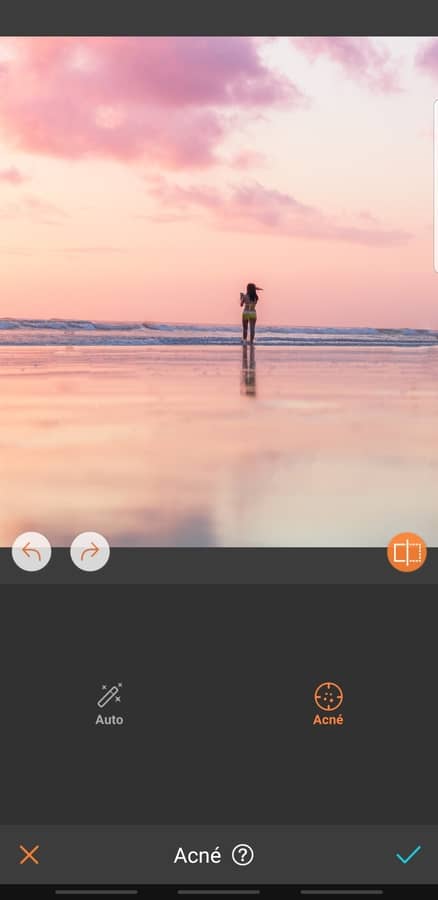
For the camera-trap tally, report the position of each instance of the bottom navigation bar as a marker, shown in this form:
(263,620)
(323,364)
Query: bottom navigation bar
(235,855)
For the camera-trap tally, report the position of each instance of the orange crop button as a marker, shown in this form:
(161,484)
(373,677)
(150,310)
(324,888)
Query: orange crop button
(407,552)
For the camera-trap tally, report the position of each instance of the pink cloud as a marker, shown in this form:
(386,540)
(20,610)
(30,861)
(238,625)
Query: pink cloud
(254,208)
(162,218)
(427,57)
(177,197)
(167,99)
(248,159)
(12,176)
(33,209)
(107,249)
(38,206)
(361,58)
(14,251)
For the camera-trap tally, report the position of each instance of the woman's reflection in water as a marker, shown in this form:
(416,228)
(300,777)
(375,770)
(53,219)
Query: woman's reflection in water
(248,378)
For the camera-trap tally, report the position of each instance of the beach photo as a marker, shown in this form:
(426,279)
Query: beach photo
(218,307)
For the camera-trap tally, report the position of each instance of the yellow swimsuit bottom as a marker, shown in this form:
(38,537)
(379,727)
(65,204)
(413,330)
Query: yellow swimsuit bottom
(249,314)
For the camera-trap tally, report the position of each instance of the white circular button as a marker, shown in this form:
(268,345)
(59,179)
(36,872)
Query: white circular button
(90,551)
(242,854)
(31,551)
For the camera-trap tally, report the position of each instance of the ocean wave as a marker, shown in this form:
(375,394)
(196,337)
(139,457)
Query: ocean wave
(69,325)
(83,332)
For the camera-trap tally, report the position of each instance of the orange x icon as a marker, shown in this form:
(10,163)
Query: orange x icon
(29,854)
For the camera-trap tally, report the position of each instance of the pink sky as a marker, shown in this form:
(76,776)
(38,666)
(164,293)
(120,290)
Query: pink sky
(151,178)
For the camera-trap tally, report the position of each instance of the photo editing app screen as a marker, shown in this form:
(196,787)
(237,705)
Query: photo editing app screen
(218,365)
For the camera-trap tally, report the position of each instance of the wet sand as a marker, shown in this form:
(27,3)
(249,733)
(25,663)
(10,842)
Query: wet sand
(219,446)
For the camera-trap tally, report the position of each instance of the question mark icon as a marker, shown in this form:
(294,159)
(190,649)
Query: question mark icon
(242,854)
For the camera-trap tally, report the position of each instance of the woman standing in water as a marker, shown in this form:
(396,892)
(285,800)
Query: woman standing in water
(249,302)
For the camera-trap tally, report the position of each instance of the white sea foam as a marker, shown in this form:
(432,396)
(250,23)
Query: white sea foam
(82,332)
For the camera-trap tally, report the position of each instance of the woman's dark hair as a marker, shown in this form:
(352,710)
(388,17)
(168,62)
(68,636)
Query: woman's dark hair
(251,291)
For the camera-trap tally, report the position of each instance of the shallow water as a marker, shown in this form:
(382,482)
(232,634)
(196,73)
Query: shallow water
(219,446)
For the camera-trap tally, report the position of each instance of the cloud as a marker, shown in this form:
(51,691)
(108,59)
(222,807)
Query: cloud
(169,100)
(248,159)
(173,195)
(427,57)
(97,249)
(161,218)
(42,210)
(366,216)
(361,58)
(12,176)
(15,251)
(252,207)
(34,209)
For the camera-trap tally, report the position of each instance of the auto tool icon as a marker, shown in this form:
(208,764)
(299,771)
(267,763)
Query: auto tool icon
(110,694)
